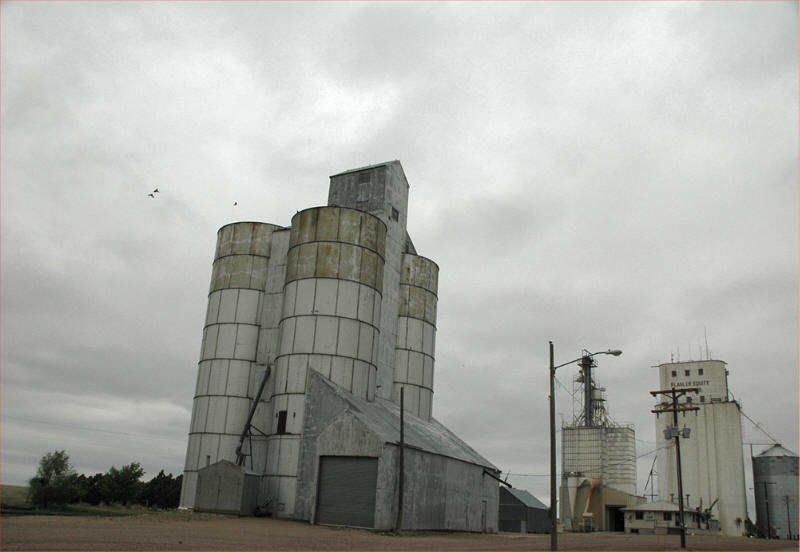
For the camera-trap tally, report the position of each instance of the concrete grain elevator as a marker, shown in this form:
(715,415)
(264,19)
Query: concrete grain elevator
(598,462)
(311,332)
(711,458)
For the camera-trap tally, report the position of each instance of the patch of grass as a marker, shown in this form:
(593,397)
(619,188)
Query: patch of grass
(14,502)
(102,510)
(14,495)
(106,510)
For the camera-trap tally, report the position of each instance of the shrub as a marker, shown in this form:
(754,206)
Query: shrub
(55,483)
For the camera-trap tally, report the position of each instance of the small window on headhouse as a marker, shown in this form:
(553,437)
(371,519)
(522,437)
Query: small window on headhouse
(702,398)
(639,515)
(674,373)
(687,372)
(667,516)
(395,214)
(281,422)
(699,371)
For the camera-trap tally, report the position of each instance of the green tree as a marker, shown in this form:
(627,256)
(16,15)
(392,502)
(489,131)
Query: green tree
(90,486)
(55,483)
(163,491)
(122,485)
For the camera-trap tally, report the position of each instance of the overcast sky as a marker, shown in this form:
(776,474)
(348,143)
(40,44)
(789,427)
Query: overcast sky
(603,175)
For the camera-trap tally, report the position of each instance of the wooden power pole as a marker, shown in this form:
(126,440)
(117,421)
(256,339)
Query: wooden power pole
(673,432)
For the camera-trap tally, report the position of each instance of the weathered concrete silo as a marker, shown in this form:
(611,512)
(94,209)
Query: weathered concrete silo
(775,482)
(227,373)
(310,334)
(416,334)
(331,310)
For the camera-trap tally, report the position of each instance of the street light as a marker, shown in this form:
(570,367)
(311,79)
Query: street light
(587,360)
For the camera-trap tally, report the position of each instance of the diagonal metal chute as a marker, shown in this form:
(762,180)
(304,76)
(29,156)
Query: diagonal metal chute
(240,456)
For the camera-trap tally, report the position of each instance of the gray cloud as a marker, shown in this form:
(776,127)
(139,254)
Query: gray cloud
(596,174)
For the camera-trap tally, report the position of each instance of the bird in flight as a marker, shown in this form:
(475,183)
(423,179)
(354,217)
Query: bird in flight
(156,191)
(151,195)
(235,203)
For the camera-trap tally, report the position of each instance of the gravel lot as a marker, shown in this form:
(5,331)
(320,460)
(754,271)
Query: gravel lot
(184,531)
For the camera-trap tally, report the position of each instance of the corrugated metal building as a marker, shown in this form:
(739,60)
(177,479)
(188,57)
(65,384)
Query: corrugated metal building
(311,333)
(775,482)
(521,512)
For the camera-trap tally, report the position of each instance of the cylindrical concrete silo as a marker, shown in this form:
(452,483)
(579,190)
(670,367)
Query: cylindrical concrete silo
(330,323)
(227,378)
(416,334)
(619,464)
(775,483)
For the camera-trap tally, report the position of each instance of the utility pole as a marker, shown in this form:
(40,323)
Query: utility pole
(786,499)
(766,507)
(788,516)
(553,517)
(673,432)
(584,359)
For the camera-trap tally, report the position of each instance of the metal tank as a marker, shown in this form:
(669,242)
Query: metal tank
(603,455)
(775,482)
(330,323)
(620,459)
(227,375)
(416,334)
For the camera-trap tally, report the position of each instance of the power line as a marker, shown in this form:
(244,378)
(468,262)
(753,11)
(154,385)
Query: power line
(758,426)
(85,428)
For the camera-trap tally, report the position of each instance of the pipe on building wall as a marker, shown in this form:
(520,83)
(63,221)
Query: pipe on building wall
(401,482)
(493,476)
(239,455)
(595,483)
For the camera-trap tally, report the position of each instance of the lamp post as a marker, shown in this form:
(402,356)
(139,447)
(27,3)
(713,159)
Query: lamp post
(586,357)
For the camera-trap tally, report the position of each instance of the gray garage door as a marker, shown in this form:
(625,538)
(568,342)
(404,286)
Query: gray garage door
(346,493)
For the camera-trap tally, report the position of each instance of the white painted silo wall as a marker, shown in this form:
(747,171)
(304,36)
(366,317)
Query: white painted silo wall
(712,463)
(619,463)
(416,334)
(603,453)
(330,323)
(582,451)
(227,376)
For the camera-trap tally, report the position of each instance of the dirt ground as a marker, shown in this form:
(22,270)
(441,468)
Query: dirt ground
(183,531)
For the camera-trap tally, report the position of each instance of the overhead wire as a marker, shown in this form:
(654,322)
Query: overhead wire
(86,428)
(758,426)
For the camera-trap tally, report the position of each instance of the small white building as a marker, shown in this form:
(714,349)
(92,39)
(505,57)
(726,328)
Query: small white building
(712,461)
(661,517)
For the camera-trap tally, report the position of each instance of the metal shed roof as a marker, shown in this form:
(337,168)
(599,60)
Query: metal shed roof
(373,166)
(383,418)
(776,450)
(526,498)
(657,506)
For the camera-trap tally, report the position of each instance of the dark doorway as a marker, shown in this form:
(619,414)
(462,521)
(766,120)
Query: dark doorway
(346,491)
(615,518)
